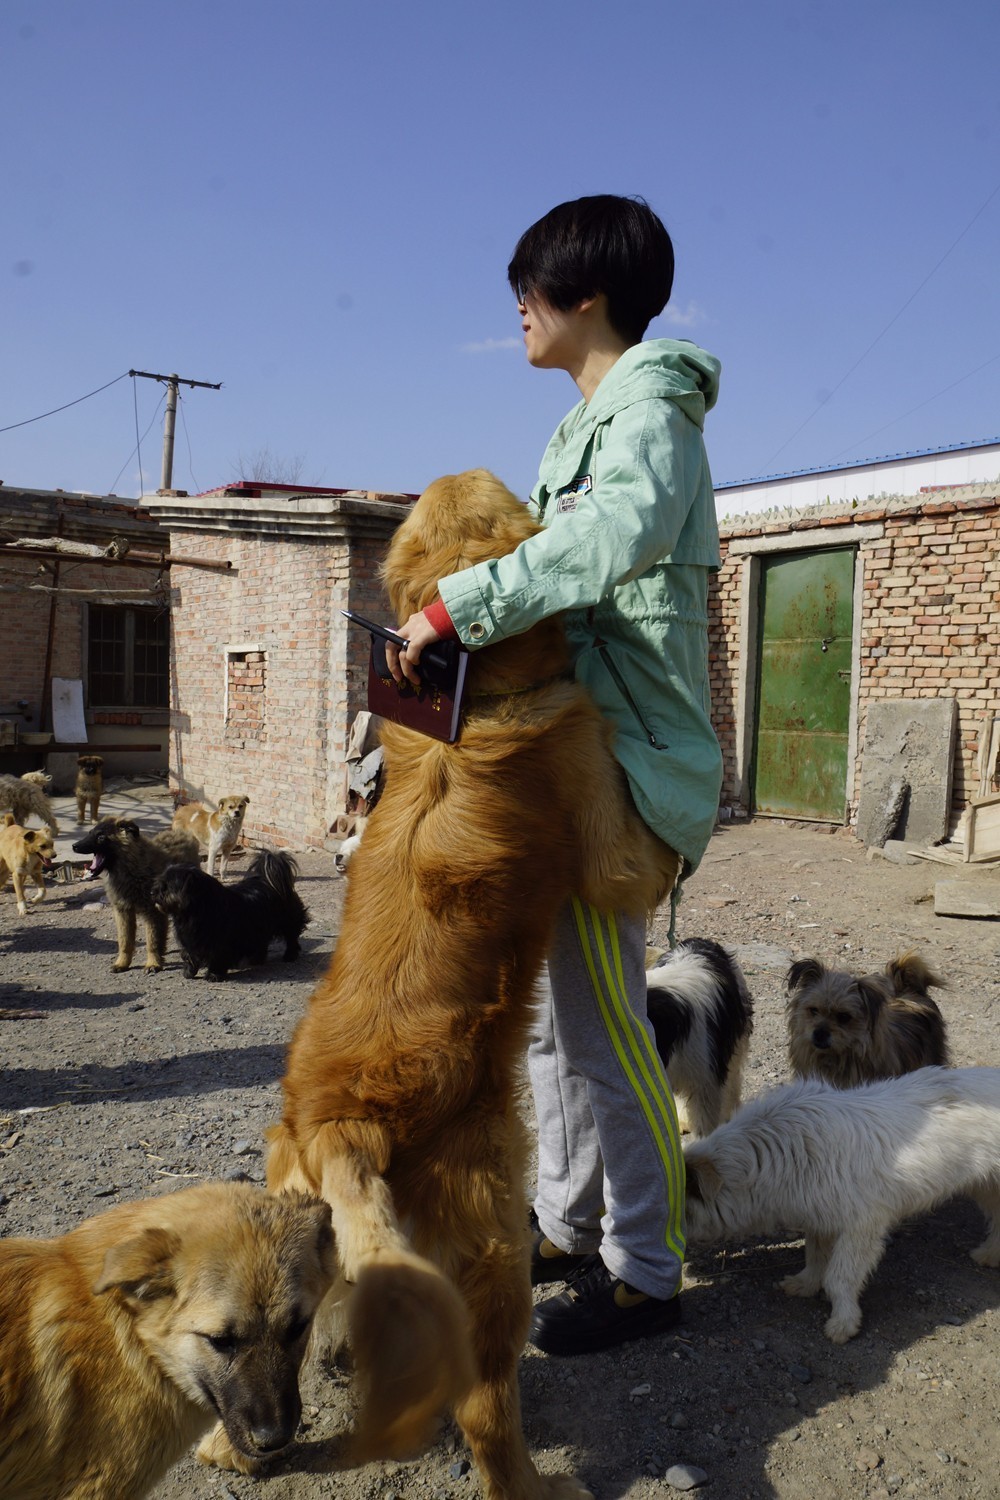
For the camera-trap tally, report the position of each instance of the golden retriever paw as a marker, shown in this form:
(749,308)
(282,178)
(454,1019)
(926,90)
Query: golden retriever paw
(120,965)
(151,967)
(217,1452)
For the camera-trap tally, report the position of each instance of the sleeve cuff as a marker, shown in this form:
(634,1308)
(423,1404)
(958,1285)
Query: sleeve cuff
(437,615)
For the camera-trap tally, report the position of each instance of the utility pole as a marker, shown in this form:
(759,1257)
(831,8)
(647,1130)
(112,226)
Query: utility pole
(172,382)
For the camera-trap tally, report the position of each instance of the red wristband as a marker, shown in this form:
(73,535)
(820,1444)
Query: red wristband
(437,615)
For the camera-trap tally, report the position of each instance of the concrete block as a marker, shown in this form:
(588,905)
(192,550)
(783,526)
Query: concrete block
(967,898)
(909,746)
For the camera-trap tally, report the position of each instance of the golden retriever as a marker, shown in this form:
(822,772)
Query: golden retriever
(399,1095)
(25,853)
(217,828)
(126,1339)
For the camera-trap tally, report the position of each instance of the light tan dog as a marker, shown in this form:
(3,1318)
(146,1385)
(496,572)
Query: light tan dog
(126,1339)
(400,1100)
(218,828)
(25,795)
(25,853)
(89,786)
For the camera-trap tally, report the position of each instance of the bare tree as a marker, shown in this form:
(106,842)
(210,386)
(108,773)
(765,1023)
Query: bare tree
(261,466)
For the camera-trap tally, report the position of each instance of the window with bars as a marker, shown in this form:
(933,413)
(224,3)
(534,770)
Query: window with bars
(128,655)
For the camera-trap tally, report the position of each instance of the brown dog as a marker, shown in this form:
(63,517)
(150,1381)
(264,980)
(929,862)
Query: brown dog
(399,1096)
(851,1029)
(131,862)
(125,1340)
(89,786)
(218,828)
(25,853)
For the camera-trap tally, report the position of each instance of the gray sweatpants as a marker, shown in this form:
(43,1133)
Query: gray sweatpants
(610,1171)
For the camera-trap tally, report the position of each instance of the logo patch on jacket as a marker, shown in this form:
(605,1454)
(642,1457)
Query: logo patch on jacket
(568,497)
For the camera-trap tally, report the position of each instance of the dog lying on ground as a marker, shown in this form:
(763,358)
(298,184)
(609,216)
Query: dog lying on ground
(219,927)
(131,862)
(851,1030)
(89,786)
(702,1014)
(25,795)
(25,854)
(846,1166)
(218,828)
(125,1340)
(399,1097)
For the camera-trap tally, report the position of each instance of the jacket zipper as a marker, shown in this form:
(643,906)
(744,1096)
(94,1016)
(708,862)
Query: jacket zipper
(626,694)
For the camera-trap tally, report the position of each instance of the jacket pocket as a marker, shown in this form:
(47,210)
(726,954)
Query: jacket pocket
(605,654)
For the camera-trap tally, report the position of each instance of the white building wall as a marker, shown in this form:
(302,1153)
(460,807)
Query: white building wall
(900,474)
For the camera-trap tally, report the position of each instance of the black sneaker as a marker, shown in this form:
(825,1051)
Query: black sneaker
(598,1311)
(549,1263)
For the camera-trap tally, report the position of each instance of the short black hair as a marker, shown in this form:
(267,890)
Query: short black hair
(606,244)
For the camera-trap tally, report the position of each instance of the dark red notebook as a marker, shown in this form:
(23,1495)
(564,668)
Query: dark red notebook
(436,707)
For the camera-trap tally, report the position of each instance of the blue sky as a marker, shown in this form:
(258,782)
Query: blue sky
(314,203)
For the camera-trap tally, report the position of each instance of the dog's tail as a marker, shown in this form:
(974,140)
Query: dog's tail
(408,1326)
(277,869)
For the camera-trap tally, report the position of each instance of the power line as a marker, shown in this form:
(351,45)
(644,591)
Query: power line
(920,404)
(138,440)
(28,420)
(894,319)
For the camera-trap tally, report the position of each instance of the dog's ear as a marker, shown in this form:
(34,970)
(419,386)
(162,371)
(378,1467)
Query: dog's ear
(140,1268)
(127,829)
(907,971)
(804,971)
(326,1245)
(8,820)
(872,989)
(31,836)
(703,1179)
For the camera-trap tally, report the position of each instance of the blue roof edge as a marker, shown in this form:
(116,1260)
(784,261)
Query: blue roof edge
(860,463)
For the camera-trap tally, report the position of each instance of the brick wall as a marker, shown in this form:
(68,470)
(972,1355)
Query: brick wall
(930,621)
(266,675)
(25,611)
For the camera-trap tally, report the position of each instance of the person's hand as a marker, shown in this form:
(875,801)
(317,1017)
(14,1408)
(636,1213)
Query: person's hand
(419,632)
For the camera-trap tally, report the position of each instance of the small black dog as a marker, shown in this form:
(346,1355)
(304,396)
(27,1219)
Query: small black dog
(702,1016)
(219,926)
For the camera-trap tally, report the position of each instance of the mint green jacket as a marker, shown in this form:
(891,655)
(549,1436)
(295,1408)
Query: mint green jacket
(625,496)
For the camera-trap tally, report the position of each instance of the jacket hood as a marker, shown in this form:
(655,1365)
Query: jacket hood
(671,368)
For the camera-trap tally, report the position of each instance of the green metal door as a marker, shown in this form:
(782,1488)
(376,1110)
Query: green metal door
(804,685)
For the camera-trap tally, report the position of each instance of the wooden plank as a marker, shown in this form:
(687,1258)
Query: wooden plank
(982,829)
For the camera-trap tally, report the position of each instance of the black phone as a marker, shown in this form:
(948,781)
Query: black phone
(437,664)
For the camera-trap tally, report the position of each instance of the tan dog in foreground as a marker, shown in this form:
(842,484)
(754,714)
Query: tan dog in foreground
(124,1341)
(218,828)
(399,1094)
(25,853)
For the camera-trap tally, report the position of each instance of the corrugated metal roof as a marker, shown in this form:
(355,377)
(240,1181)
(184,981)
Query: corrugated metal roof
(860,463)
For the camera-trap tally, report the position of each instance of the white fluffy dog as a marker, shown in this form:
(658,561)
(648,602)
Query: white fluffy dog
(845,1166)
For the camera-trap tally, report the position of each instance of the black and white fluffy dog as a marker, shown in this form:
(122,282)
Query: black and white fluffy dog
(220,926)
(702,1014)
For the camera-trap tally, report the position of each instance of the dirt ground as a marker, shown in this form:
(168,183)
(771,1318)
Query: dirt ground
(132,1085)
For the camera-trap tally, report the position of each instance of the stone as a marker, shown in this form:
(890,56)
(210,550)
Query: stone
(685,1477)
(967,898)
(907,741)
